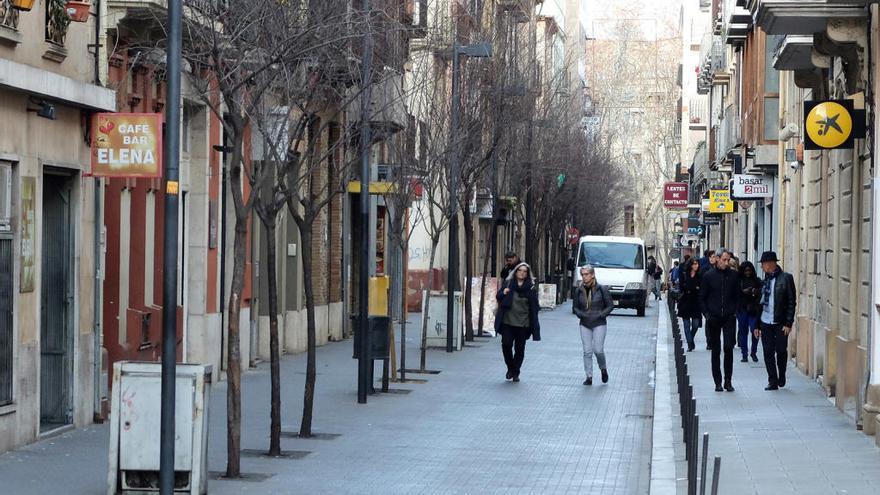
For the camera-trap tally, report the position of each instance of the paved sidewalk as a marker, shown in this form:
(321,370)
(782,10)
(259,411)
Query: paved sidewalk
(791,441)
(465,431)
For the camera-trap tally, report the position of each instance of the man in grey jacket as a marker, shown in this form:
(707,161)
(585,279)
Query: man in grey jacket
(592,304)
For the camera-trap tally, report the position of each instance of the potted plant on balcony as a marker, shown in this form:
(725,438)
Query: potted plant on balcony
(78,11)
(24,5)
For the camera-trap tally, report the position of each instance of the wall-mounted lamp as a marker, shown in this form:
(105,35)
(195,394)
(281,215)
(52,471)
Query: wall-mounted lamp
(46,110)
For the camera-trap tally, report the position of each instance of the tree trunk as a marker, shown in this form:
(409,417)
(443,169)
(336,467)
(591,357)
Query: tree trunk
(274,352)
(233,360)
(468,274)
(434,242)
(484,276)
(305,429)
(403,308)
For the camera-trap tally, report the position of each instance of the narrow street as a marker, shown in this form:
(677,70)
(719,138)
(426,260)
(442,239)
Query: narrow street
(466,430)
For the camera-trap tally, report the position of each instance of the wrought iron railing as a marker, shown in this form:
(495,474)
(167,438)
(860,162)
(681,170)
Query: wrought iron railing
(57,22)
(8,15)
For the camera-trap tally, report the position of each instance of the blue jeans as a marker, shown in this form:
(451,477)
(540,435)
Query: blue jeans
(747,325)
(691,325)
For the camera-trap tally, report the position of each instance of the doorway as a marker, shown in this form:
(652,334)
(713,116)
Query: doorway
(56,304)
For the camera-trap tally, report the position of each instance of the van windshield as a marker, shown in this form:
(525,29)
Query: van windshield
(612,255)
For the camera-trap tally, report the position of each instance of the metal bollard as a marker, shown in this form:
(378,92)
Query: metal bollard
(716,472)
(692,461)
(705,462)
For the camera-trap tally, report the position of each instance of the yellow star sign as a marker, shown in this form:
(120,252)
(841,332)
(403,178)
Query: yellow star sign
(829,125)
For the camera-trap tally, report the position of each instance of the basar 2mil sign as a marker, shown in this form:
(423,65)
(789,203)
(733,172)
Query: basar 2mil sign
(752,186)
(127,145)
(832,124)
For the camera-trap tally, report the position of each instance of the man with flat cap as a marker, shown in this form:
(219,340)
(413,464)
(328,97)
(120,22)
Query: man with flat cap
(779,300)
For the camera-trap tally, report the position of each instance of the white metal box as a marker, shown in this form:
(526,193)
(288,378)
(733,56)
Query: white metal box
(437,319)
(135,427)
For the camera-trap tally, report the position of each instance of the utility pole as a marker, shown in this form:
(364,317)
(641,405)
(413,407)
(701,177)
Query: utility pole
(364,363)
(169,282)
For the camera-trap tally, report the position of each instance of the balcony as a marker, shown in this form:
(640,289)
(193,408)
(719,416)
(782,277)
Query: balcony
(802,16)
(698,114)
(701,163)
(794,52)
(387,109)
(728,136)
(737,22)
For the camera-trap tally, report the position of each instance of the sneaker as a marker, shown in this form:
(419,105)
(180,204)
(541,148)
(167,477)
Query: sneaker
(588,381)
(755,358)
(604,376)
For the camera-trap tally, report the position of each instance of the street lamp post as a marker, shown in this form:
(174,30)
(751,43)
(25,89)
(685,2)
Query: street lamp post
(364,362)
(169,282)
(476,50)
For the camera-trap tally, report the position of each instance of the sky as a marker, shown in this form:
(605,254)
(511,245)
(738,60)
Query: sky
(651,15)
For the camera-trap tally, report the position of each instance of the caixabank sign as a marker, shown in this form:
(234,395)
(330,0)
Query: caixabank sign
(832,124)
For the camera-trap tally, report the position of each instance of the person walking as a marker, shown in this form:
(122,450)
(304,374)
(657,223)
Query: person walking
(689,301)
(778,301)
(511,259)
(658,283)
(708,260)
(749,310)
(674,274)
(592,304)
(719,299)
(517,317)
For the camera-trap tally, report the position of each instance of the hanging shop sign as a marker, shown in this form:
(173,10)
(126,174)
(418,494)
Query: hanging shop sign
(127,145)
(752,186)
(832,124)
(675,195)
(719,201)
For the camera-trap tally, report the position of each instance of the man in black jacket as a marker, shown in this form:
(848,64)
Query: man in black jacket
(719,297)
(779,300)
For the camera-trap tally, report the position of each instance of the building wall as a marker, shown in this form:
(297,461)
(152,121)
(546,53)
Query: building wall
(34,146)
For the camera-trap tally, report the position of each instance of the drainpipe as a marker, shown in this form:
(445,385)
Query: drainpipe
(99,222)
(872,371)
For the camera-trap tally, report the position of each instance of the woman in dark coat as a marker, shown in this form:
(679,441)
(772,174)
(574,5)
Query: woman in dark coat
(592,303)
(689,302)
(749,310)
(517,317)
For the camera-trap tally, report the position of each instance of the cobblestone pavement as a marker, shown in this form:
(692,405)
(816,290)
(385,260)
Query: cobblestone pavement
(466,430)
(791,441)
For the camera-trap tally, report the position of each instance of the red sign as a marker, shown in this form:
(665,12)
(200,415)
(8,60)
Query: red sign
(675,195)
(127,145)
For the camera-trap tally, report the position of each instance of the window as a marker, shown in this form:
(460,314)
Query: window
(185,134)
(612,255)
(5,197)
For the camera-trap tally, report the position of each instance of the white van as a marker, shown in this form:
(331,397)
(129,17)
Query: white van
(620,265)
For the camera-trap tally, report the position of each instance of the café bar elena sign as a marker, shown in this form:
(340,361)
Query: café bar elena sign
(752,186)
(127,145)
